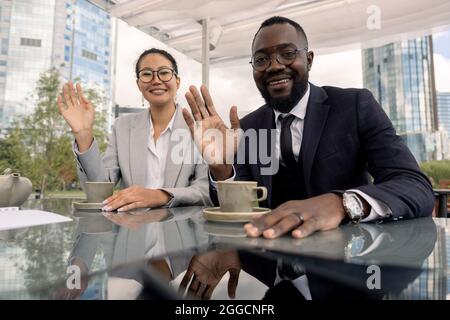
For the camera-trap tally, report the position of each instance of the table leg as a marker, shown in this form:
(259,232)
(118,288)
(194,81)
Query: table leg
(442,206)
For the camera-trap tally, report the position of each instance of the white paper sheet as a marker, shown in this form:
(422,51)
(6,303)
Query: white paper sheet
(14,219)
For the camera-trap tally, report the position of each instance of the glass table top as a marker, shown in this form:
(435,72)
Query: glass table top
(174,253)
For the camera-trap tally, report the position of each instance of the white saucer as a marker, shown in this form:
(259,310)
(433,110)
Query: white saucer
(214,214)
(84,205)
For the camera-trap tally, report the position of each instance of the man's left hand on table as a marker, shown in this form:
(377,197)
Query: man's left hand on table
(301,217)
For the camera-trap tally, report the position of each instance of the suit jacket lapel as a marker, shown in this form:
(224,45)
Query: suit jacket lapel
(267,122)
(139,135)
(315,118)
(172,169)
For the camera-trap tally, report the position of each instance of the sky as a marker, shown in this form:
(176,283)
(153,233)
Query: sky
(441,44)
(234,85)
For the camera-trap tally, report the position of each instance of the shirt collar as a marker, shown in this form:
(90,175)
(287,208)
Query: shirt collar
(169,125)
(299,110)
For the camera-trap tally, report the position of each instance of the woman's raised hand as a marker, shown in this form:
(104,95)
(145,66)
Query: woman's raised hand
(79,114)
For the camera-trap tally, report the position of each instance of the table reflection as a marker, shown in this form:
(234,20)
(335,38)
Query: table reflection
(173,253)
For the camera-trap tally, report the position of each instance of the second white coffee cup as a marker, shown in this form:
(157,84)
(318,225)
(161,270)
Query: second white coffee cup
(239,196)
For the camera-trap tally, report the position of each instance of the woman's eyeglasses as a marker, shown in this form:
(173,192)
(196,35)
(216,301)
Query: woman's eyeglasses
(164,74)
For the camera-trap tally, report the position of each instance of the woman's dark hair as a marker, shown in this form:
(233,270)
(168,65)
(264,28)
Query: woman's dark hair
(164,53)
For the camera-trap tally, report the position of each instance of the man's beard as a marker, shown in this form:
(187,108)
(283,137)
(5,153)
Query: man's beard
(286,104)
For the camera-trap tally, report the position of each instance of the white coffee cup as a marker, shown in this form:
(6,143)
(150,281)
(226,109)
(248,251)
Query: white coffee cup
(239,196)
(96,192)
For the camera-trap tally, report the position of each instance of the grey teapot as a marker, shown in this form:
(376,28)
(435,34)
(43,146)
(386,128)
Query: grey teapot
(14,189)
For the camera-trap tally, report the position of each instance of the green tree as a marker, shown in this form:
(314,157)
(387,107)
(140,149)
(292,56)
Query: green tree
(40,145)
(437,171)
(13,152)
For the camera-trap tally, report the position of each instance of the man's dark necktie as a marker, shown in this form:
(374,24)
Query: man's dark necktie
(286,141)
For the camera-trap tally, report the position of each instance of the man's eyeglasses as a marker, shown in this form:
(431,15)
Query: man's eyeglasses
(285,56)
(164,74)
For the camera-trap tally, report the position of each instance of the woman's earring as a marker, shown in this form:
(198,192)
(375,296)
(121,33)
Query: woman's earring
(143,100)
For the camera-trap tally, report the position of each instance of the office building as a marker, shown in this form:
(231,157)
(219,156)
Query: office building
(401,77)
(73,36)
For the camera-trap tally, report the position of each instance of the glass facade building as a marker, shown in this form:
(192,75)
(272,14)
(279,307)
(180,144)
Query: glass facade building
(400,75)
(443,106)
(26,48)
(74,36)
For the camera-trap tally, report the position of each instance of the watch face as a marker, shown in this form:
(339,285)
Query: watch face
(353,206)
(355,246)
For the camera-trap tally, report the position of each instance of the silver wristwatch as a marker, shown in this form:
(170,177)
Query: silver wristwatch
(353,206)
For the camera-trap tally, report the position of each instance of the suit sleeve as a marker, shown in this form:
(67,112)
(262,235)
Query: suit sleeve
(241,173)
(398,181)
(91,166)
(196,194)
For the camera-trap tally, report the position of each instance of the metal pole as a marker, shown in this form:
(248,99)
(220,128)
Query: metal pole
(442,213)
(434,110)
(74,13)
(113,66)
(205,52)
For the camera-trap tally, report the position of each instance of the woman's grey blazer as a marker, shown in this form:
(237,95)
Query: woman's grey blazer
(125,160)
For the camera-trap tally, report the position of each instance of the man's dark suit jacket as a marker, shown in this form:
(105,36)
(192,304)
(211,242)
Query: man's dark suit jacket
(346,137)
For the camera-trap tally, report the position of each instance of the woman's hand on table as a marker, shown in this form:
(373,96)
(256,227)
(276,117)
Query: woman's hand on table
(136,197)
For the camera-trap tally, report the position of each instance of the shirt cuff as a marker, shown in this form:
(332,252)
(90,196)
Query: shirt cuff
(214,182)
(169,204)
(378,209)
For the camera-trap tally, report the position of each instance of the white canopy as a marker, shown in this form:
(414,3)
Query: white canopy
(331,25)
